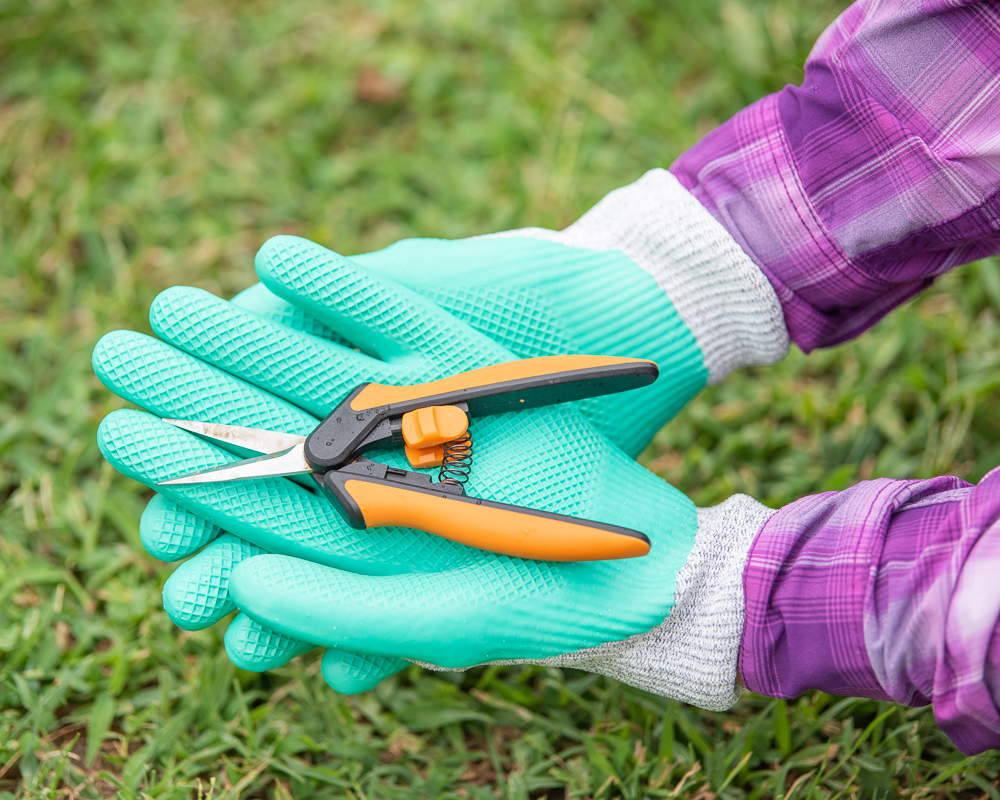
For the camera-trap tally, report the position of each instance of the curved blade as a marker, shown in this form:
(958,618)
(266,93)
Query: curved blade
(258,440)
(287,462)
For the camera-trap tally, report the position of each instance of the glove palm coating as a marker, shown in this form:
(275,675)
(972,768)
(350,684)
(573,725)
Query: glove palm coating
(384,593)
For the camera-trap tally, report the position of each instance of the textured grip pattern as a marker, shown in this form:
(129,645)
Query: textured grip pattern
(377,315)
(169,532)
(170,383)
(269,306)
(350,673)
(257,649)
(314,375)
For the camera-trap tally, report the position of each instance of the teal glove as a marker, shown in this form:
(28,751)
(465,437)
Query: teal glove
(385,593)
(647,273)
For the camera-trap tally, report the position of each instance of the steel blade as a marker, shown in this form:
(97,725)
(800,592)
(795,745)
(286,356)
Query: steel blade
(288,462)
(256,439)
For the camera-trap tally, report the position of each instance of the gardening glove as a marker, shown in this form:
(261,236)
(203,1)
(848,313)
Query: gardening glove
(448,605)
(647,273)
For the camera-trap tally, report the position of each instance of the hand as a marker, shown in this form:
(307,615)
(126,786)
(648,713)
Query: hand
(383,594)
(647,273)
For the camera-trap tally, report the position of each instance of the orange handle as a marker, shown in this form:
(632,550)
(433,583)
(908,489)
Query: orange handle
(499,528)
(594,375)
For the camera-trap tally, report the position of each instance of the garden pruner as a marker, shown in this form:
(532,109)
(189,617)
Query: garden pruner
(432,419)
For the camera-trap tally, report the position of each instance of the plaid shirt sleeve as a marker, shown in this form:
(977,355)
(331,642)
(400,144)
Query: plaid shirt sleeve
(887,590)
(855,190)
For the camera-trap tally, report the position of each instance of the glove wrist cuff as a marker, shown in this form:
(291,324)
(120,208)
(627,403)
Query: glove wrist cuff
(700,640)
(722,296)
(693,654)
(719,293)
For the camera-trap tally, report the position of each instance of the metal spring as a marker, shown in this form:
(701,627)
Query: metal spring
(457,461)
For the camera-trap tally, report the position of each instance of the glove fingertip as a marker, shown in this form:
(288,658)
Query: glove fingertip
(197,594)
(304,272)
(252,647)
(353,673)
(172,305)
(275,255)
(194,605)
(113,430)
(112,353)
(170,532)
(105,345)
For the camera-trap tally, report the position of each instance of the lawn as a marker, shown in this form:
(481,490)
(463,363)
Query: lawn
(146,145)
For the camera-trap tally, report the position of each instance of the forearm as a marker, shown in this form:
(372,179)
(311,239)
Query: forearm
(885,590)
(855,190)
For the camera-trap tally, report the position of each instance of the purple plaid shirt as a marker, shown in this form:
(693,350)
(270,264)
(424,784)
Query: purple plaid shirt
(888,590)
(855,190)
(852,193)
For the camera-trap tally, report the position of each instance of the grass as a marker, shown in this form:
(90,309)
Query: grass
(145,145)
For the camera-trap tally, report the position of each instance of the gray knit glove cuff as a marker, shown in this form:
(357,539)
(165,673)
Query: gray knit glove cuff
(692,655)
(718,291)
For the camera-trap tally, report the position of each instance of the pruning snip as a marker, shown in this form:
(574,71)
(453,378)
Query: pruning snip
(431,420)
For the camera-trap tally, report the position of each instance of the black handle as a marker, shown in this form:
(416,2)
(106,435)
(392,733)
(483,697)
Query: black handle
(364,417)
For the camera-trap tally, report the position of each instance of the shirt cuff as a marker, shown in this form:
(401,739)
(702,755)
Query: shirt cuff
(886,590)
(810,576)
(745,174)
(805,585)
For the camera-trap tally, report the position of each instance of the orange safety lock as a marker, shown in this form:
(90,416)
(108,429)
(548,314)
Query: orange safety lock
(433,426)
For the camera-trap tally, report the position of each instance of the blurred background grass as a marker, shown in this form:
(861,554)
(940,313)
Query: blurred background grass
(145,145)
